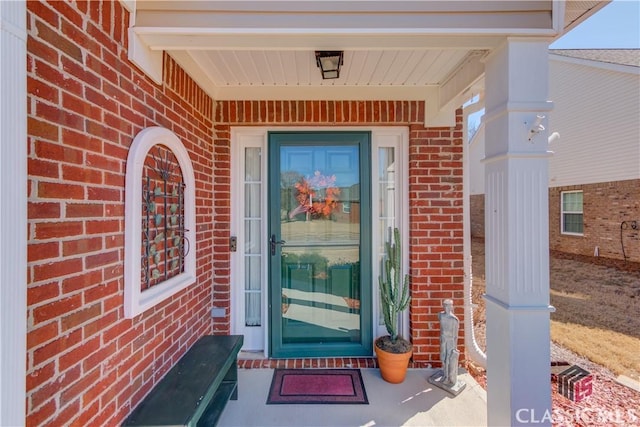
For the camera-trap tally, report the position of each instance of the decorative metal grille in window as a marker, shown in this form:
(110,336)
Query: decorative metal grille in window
(164,244)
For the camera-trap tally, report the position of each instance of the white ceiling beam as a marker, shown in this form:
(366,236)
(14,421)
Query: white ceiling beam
(139,52)
(462,23)
(147,59)
(361,6)
(174,39)
(436,116)
(441,106)
(462,78)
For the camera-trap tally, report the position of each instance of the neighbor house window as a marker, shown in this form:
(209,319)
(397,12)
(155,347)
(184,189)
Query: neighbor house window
(159,220)
(571,215)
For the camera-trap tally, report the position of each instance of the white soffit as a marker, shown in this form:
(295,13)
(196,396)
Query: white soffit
(379,71)
(576,11)
(393,49)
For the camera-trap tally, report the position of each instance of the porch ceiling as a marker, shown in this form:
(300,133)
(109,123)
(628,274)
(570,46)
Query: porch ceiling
(417,50)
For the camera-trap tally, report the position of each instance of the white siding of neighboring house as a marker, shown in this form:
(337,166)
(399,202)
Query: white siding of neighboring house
(476,168)
(597,113)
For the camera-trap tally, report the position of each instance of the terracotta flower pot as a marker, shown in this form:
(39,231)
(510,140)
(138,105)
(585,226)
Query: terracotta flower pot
(393,366)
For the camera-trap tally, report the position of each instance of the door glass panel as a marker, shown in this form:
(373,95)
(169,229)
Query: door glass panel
(253,237)
(387,203)
(320,244)
(251,199)
(252,171)
(320,269)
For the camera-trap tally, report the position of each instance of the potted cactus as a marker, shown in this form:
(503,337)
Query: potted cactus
(393,351)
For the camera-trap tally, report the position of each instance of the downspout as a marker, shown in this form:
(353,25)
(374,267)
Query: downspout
(477,356)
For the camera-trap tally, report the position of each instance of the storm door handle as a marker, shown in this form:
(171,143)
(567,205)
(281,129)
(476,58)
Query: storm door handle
(273,242)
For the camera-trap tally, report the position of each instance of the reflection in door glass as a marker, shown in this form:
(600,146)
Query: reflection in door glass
(320,223)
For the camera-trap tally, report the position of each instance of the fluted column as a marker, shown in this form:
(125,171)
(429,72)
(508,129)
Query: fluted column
(517,237)
(13,216)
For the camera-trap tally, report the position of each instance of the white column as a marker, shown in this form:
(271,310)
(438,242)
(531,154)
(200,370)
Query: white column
(13,211)
(517,237)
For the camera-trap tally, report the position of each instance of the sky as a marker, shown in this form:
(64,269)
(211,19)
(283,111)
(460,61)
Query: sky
(617,25)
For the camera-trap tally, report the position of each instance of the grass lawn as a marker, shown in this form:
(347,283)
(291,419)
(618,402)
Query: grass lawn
(597,310)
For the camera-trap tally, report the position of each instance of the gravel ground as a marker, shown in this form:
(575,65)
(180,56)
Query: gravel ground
(610,404)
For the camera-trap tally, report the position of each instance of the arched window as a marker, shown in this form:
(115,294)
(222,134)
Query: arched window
(159,220)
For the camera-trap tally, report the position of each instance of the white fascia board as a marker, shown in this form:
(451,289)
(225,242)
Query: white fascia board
(324,39)
(350,6)
(197,25)
(232,39)
(467,21)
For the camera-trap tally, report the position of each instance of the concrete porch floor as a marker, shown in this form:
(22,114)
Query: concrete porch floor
(415,402)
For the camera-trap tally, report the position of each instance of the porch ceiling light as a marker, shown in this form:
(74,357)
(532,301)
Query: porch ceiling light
(329,63)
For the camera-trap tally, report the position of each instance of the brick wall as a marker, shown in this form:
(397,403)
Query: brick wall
(435,192)
(476,206)
(86,363)
(606,205)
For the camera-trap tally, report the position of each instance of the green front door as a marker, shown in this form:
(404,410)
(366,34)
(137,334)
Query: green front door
(319,244)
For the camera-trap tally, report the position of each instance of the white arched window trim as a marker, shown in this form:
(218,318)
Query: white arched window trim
(136,301)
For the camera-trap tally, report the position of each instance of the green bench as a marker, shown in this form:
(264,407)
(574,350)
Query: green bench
(196,390)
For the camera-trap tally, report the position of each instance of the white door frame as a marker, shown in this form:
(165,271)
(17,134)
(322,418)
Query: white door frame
(396,137)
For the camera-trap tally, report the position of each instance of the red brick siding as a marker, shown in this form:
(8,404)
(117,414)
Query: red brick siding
(435,192)
(86,363)
(476,207)
(605,205)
